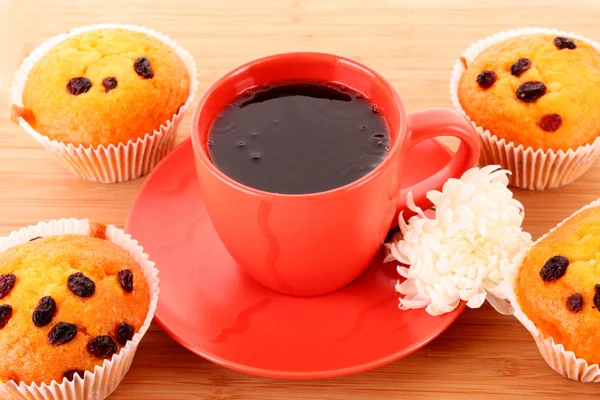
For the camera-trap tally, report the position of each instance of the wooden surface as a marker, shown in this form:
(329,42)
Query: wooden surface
(413,43)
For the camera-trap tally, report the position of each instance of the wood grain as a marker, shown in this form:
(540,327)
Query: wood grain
(413,43)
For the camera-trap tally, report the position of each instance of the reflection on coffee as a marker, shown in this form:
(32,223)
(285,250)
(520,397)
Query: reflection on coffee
(298,138)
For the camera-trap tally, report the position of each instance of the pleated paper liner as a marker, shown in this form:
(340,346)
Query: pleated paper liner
(533,169)
(112,163)
(561,360)
(100,383)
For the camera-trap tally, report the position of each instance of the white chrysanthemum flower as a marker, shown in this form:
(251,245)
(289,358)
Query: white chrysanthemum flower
(466,250)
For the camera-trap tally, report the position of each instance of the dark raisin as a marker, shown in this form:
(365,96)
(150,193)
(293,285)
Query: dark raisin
(62,333)
(486,78)
(44,312)
(6,312)
(81,285)
(142,67)
(70,374)
(531,91)
(125,278)
(7,283)
(520,66)
(35,238)
(597,297)
(77,86)
(109,83)
(564,43)
(575,302)
(551,122)
(554,268)
(125,333)
(102,347)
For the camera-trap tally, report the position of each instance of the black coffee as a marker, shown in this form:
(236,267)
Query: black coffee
(298,138)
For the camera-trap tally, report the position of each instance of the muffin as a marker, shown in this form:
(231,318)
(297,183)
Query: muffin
(103,87)
(116,90)
(532,96)
(73,308)
(556,294)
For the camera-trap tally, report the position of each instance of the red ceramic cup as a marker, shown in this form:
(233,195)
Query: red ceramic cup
(313,244)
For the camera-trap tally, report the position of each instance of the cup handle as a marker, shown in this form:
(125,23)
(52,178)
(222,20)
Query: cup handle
(431,123)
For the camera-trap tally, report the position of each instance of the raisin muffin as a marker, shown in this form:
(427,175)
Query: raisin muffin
(531,94)
(104,87)
(105,99)
(538,90)
(558,285)
(67,303)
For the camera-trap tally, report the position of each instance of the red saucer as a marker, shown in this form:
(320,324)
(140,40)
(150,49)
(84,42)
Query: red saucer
(212,308)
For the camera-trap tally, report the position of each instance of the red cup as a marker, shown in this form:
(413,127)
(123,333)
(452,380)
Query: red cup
(313,244)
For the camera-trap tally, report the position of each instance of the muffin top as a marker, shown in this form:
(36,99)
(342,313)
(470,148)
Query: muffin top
(66,303)
(558,285)
(104,87)
(539,91)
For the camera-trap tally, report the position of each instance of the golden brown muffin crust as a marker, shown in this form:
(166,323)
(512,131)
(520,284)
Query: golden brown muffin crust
(572,78)
(42,268)
(135,107)
(545,303)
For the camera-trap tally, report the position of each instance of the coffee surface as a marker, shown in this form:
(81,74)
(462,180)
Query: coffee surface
(298,138)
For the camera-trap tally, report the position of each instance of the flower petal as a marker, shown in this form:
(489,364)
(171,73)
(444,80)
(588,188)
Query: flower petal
(466,251)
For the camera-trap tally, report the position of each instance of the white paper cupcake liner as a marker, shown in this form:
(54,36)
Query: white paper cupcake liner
(533,169)
(112,163)
(558,358)
(100,383)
